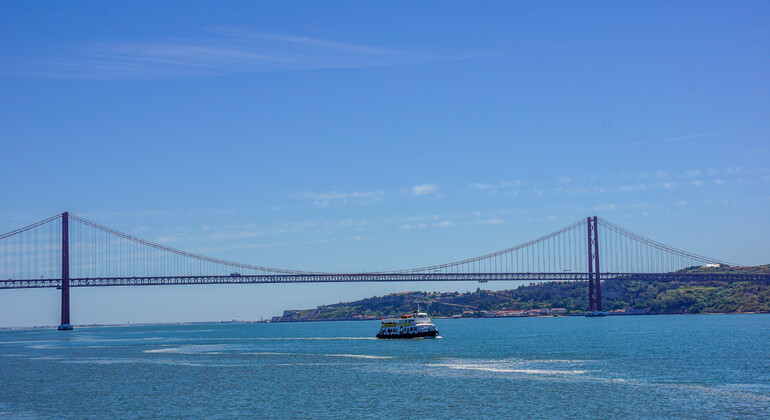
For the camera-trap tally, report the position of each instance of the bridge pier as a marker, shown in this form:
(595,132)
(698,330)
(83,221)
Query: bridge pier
(594,278)
(65,274)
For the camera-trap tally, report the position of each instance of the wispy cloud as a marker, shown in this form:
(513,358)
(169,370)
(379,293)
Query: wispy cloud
(480,186)
(498,185)
(338,198)
(492,221)
(424,189)
(215,52)
(505,188)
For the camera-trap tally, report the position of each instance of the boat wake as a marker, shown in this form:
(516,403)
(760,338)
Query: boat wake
(520,366)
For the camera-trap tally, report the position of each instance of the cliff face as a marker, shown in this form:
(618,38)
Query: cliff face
(699,296)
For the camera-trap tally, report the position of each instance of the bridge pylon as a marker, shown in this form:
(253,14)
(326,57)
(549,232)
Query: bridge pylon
(594,278)
(65,273)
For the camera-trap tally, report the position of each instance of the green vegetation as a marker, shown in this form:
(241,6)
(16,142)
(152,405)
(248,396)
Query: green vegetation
(669,297)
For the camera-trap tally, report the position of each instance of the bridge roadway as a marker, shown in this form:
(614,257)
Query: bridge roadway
(370,277)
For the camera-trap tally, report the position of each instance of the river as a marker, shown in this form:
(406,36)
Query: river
(694,366)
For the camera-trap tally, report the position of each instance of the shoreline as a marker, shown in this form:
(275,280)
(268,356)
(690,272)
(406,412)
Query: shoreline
(150,324)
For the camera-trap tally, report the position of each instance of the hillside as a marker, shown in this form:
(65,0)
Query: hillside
(701,296)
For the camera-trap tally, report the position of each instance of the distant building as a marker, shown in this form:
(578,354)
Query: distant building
(628,311)
(537,312)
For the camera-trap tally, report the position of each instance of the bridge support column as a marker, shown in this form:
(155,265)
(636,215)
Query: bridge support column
(594,278)
(65,274)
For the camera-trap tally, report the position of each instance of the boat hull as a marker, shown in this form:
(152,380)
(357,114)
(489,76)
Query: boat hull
(425,334)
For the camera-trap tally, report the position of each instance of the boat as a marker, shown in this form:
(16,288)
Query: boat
(594,314)
(414,325)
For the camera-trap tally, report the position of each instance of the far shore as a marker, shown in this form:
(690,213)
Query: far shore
(150,324)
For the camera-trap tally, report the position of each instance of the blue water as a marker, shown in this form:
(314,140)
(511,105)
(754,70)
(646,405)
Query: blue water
(709,366)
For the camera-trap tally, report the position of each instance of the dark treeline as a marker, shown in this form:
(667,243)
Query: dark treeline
(671,297)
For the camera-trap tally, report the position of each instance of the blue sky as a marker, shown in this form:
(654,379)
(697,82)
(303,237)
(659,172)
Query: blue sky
(355,136)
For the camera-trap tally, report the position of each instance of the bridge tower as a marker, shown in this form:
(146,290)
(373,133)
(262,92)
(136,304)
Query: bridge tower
(65,273)
(594,278)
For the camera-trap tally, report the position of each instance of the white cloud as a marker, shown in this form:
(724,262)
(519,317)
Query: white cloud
(443,224)
(424,189)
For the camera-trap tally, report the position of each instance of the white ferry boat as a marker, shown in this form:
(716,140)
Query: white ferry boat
(415,325)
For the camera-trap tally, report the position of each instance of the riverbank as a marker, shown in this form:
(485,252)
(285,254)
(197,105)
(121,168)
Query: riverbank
(620,297)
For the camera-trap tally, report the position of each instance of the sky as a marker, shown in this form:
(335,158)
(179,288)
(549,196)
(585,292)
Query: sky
(364,136)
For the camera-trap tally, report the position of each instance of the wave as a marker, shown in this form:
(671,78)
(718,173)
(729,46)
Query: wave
(164,362)
(493,368)
(27,342)
(135,361)
(358,356)
(190,349)
(352,356)
(271,353)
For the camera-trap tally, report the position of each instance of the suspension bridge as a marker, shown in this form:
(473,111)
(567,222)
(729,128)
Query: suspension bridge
(67,251)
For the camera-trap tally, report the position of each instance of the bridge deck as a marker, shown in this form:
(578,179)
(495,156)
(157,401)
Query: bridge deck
(370,277)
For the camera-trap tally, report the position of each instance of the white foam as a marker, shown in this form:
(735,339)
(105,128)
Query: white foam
(190,349)
(563,368)
(493,368)
(166,350)
(359,356)
(44,347)
(271,353)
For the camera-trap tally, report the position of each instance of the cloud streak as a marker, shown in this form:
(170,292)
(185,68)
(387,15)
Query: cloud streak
(219,52)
